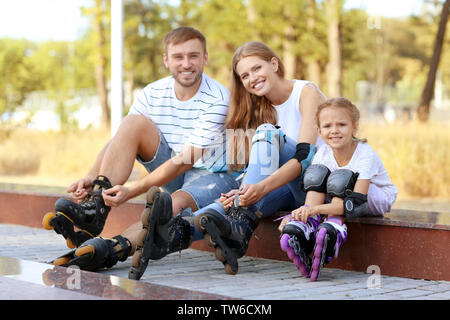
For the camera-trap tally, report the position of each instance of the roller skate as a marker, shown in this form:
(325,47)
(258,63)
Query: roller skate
(153,240)
(96,253)
(89,216)
(329,237)
(229,234)
(297,241)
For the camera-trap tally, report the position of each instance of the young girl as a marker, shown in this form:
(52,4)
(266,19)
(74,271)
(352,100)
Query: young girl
(346,179)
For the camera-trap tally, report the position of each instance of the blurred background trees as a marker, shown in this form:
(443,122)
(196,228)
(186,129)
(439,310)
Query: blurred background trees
(376,61)
(390,67)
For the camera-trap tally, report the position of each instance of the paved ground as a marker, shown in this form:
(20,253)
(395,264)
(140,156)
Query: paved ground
(257,278)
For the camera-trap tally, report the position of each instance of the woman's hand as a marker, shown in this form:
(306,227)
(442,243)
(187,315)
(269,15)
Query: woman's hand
(251,194)
(116,195)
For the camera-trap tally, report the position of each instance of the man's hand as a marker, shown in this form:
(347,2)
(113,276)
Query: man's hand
(80,189)
(227,199)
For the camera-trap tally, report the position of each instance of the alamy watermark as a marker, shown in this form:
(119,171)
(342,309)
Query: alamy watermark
(374,281)
(73,282)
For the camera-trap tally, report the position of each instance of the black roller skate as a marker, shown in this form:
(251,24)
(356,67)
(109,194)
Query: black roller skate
(298,240)
(89,216)
(96,253)
(329,237)
(229,234)
(152,241)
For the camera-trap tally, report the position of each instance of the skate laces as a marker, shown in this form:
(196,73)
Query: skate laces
(180,228)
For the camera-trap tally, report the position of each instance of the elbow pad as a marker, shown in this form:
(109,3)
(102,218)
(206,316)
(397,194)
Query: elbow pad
(355,205)
(304,152)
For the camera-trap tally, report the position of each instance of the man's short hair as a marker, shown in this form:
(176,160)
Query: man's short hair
(183,34)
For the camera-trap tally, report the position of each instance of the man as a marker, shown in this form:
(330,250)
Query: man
(175,128)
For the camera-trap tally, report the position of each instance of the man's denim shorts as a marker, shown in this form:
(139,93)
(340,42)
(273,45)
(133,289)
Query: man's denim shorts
(204,186)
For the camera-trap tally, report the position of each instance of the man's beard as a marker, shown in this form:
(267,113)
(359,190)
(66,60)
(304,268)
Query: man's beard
(187,83)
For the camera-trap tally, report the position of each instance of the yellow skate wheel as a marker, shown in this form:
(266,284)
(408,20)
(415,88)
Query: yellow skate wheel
(136,257)
(198,222)
(209,240)
(70,244)
(61,261)
(144,217)
(46,220)
(85,250)
(230,270)
(219,254)
(140,238)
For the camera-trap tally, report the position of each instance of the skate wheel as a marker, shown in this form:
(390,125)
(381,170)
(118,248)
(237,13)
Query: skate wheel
(70,244)
(209,240)
(144,217)
(89,249)
(229,269)
(135,261)
(291,253)
(151,194)
(141,237)
(61,261)
(200,221)
(219,254)
(284,242)
(46,220)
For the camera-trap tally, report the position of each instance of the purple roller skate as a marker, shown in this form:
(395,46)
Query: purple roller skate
(298,242)
(329,237)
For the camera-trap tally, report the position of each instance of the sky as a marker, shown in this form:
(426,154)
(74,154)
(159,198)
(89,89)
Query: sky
(41,20)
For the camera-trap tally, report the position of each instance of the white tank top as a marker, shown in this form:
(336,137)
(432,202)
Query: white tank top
(289,115)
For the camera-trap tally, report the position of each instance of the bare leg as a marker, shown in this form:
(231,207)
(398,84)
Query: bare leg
(137,135)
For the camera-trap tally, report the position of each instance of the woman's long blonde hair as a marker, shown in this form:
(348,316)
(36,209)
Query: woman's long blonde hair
(247,111)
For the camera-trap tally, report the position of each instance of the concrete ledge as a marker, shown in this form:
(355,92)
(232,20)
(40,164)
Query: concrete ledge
(404,243)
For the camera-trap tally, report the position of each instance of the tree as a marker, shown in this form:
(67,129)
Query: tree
(334,72)
(18,79)
(100,15)
(423,111)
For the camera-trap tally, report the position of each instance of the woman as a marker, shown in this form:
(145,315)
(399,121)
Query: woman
(274,118)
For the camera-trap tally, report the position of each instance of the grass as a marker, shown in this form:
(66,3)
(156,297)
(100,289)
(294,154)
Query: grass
(415,155)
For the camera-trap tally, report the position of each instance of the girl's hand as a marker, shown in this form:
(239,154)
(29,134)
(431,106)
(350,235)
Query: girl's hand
(303,213)
(283,223)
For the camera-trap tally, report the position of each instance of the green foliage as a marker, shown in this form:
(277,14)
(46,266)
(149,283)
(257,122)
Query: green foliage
(396,54)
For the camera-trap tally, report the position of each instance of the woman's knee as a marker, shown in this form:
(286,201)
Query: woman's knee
(269,133)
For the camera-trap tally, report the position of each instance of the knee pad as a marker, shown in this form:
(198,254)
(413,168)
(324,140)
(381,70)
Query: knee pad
(341,181)
(355,205)
(271,134)
(315,178)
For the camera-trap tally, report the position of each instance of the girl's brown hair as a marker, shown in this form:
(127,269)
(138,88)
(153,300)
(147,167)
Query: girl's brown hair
(247,111)
(345,104)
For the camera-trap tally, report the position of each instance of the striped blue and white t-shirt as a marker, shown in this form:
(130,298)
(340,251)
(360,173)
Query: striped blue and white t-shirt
(199,121)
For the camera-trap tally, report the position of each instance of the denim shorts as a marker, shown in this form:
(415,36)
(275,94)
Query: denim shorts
(203,186)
